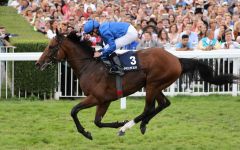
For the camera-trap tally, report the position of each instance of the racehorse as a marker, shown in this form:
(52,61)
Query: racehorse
(158,70)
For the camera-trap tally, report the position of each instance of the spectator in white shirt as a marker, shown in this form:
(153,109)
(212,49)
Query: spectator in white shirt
(14,3)
(51,29)
(87,4)
(229,44)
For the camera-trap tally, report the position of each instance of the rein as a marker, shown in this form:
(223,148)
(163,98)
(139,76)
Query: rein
(54,52)
(54,49)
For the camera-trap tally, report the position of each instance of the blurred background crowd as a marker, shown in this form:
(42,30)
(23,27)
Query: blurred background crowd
(179,24)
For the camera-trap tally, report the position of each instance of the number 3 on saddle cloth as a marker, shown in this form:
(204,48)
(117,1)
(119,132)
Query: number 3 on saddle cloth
(129,62)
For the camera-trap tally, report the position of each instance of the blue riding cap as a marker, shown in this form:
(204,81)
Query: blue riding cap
(90,25)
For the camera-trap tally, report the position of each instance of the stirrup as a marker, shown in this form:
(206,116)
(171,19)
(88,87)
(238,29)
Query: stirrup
(113,71)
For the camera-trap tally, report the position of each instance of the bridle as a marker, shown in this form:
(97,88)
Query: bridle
(54,49)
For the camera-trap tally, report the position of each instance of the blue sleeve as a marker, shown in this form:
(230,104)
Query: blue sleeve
(109,38)
(135,44)
(179,45)
(131,46)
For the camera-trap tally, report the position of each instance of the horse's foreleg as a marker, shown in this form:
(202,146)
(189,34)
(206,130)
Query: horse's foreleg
(100,112)
(149,106)
(163,103)
(86,103)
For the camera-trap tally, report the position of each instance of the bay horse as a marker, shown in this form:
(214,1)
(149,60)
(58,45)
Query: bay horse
(158,70)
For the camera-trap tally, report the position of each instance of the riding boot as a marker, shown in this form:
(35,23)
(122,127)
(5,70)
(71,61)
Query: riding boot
(117,68)
(110,66)
(107,63)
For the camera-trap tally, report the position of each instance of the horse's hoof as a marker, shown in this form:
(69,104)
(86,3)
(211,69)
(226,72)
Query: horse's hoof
(143,129)
(88,135)
(121,133)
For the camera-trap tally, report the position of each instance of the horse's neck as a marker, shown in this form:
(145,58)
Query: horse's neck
(77,58)
(79,68)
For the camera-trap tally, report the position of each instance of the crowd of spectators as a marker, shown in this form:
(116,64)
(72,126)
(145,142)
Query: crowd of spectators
(183,24)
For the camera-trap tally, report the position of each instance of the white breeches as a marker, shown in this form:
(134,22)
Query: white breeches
(128,38)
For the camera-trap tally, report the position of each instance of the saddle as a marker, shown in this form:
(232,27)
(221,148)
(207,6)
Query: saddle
(120,63)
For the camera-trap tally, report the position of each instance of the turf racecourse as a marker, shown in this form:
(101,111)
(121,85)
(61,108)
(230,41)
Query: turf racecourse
(190,123)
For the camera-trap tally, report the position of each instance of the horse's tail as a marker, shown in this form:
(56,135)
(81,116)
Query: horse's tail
(206,72)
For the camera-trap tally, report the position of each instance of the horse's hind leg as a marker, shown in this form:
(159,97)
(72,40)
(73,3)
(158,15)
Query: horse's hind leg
(86,103)
(163,103)
(100,112)
(149,104)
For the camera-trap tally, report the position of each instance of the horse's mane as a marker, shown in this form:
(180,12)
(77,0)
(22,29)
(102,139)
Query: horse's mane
(85,45)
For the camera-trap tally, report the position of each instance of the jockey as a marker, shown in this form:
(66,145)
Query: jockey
(115,35)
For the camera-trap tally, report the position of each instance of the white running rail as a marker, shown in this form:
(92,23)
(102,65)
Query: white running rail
(224,61)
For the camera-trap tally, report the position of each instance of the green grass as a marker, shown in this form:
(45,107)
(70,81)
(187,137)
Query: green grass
(15,23)
(190,123)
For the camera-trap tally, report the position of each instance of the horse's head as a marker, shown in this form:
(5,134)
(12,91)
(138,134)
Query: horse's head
(53,53)
(61,47)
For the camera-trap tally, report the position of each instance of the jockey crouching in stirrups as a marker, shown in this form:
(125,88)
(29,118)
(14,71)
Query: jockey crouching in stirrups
(115,35)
